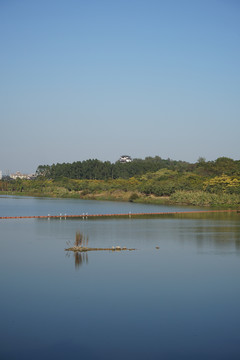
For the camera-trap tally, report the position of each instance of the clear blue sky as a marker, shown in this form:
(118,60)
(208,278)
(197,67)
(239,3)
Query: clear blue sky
(85,79)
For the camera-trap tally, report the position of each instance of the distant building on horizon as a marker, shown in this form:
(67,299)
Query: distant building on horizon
(0,174)
(125,159)
(19,175)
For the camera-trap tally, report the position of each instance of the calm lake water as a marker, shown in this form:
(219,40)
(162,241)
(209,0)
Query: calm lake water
(180,301)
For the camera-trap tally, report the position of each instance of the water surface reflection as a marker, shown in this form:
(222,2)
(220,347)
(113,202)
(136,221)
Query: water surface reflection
(178,302)
(221,235)
(80,259)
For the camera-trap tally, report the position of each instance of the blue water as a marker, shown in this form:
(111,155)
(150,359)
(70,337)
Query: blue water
(34,206)
(180,301)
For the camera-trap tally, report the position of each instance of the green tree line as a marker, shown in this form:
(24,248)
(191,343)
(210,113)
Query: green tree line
(201,183)
(94,169)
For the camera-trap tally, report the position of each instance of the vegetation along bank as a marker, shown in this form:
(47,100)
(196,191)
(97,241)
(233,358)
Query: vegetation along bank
(150,180)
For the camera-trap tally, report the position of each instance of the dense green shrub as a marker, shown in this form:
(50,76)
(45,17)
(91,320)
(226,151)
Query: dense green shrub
(133,197)
(202,198)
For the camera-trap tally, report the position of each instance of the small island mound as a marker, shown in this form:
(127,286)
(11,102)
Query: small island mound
(84,249)
(81,245)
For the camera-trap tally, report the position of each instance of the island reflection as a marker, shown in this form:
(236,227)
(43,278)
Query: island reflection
(80,259)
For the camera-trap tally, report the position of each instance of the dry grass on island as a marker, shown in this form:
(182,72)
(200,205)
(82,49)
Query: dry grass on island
(81,245)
